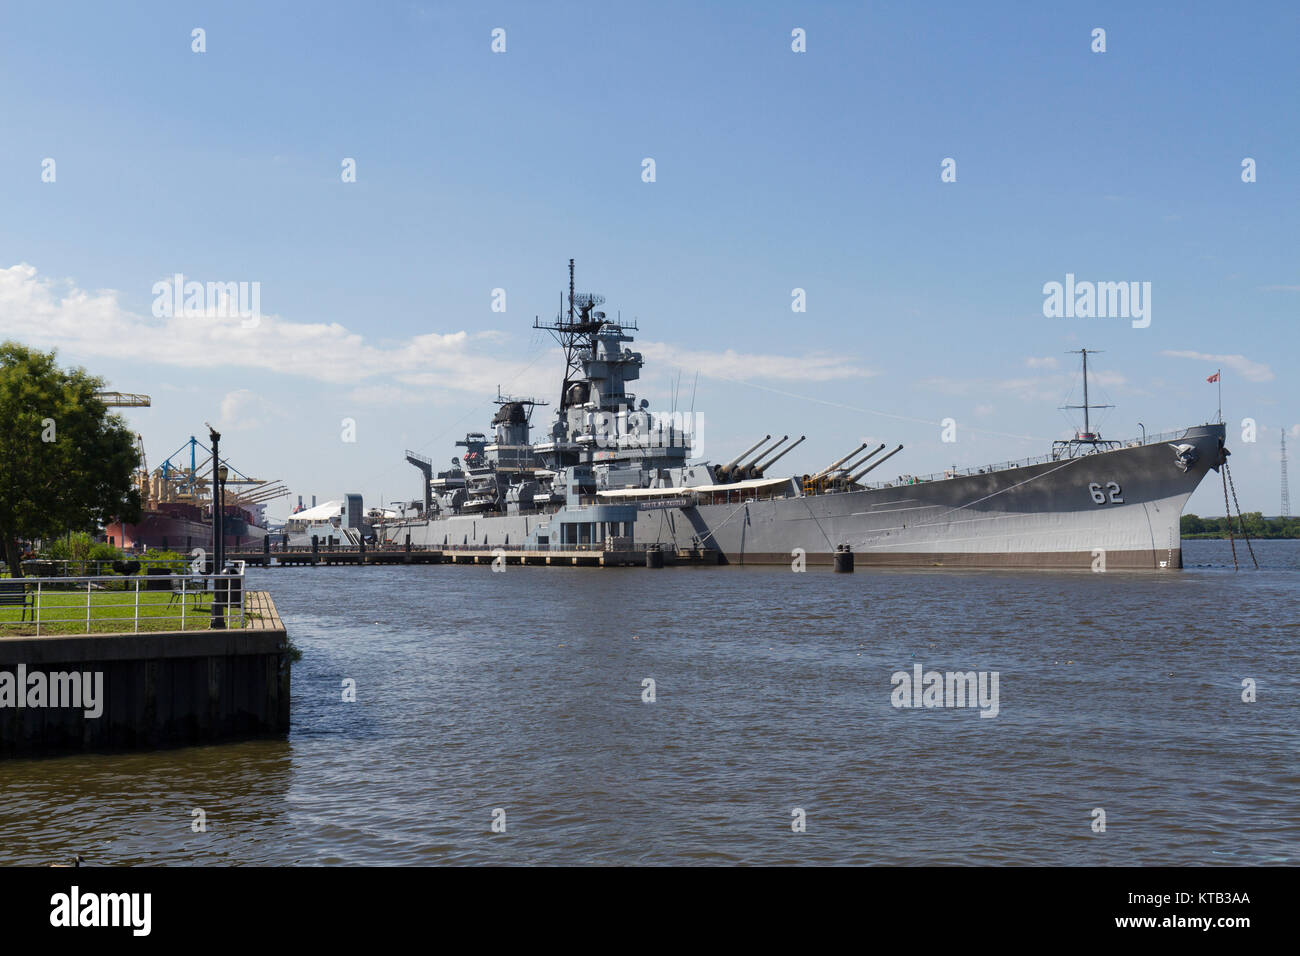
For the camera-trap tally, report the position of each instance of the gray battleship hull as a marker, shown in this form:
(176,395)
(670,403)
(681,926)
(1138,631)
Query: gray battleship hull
(1111,510)
(1038,516)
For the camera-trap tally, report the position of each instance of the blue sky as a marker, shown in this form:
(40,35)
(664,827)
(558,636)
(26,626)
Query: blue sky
(775,170)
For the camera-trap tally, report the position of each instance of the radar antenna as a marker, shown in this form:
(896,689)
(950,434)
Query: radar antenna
(511,400)
(576,334)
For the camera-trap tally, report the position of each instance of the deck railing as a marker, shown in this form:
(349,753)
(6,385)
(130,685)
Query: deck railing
(120,604)
(1018,463)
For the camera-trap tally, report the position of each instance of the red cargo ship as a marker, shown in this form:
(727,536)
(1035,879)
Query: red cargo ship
(177,512)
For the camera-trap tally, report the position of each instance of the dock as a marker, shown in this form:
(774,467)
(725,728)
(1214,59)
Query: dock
(147,689)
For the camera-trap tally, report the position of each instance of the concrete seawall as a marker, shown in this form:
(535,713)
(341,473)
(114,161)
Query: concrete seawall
(159,689)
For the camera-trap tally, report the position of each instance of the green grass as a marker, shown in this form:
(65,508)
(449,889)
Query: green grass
(64,612)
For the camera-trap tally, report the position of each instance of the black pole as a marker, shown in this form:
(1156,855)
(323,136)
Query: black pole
(223,523)
(218,611)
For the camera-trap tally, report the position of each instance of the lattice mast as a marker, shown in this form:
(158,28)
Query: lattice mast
(575,329)
(1286,485)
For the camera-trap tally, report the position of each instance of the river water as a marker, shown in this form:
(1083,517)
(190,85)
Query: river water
(523,692)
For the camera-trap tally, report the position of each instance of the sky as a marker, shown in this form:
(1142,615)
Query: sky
(775,170)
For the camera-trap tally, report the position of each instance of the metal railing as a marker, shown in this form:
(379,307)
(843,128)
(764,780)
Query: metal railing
(556,547)
(1018,463)
(83,567)
(383,546)
(118,604)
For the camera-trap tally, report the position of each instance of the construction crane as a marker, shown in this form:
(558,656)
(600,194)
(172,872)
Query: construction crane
(124,399)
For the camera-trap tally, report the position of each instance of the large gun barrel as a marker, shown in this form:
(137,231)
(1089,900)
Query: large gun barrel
(826,471)
(756,471)
(860,461)
(749,469)
(724,472)
(745,454)
(742,471)
(875,464)
(762,453)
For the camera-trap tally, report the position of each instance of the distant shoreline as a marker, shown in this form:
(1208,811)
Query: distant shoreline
(1195,527)
(1223,535)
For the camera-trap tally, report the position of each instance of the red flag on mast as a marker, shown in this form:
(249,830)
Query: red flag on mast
(1213,378)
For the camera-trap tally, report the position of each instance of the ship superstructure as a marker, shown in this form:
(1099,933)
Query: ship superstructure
(610,472)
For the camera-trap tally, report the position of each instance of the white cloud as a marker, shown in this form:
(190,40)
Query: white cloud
(1047,362)
(56,314)
(52,314)
(242,410)
(1250,371)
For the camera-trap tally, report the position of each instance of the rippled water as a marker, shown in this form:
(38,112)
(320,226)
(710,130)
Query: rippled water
(522,690)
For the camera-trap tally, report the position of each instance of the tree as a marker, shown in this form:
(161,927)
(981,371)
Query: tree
(66,464)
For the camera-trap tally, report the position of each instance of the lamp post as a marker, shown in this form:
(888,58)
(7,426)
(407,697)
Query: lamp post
(218,611)
(222,472)
(1144,432)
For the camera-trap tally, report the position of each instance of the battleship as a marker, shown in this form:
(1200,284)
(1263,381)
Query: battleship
(612,474)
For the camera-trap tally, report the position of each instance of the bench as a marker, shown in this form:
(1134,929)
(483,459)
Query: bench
(15,594)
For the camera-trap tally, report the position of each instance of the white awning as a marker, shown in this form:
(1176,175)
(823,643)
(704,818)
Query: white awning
(330,509)
(749,484)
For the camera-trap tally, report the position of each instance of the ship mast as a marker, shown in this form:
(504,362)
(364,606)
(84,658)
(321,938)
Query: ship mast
(577,334)
(1087,434)
(1086,426)
(1086,437)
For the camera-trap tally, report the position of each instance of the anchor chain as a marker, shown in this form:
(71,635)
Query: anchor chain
(1227,511)
(1241,520)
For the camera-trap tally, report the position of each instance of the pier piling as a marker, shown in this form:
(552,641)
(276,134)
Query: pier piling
(844,559)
